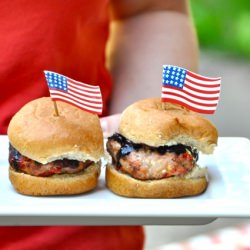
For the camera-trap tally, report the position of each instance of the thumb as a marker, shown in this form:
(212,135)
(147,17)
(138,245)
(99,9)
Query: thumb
(110,124)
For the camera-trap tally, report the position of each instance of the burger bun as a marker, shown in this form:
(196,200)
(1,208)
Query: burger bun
(173,187)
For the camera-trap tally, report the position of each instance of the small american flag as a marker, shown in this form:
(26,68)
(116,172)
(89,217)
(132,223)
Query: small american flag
(193,91)
(81,95)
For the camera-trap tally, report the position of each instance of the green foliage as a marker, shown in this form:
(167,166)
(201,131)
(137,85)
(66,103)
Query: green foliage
(223,25)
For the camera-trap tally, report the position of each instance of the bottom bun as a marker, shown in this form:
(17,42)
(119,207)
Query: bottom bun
(174,187)
(63,184)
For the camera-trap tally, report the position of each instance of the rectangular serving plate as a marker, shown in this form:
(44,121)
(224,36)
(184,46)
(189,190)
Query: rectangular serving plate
(227,196)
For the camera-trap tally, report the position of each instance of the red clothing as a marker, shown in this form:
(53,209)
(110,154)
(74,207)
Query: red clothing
(71,238)
(67,37)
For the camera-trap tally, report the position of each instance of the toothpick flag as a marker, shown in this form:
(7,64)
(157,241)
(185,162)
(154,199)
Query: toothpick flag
(193,91)
(81,95)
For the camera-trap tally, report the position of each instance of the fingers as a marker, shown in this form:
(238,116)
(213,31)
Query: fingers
(110,124)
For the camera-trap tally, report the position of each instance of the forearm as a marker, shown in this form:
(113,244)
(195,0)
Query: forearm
(139,45)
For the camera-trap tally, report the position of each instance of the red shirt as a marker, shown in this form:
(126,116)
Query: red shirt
(68,37)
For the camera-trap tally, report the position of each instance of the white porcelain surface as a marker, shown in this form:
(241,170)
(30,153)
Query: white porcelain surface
(227,196)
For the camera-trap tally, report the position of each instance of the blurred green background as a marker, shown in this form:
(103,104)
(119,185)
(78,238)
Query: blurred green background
(223,25)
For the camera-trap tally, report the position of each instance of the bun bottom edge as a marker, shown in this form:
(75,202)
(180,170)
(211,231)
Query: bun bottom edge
(63,184)
(124,185)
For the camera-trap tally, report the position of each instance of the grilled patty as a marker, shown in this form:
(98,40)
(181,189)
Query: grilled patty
(149,163)
(23,164)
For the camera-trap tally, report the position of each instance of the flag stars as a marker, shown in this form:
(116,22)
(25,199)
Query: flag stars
(167,67)
(174,76)
(165,81)
(56,81)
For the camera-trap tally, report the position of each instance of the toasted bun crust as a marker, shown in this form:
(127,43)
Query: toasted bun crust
(38,134)
(64,184)
(156,124)
(125,185)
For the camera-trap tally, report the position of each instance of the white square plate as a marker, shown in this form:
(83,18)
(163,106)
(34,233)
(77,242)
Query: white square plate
(228,196)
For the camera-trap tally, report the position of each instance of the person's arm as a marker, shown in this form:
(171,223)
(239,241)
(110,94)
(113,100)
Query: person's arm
(144,35)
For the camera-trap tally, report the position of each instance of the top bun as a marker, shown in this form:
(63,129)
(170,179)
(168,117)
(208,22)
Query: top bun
(156,123)
(38,134)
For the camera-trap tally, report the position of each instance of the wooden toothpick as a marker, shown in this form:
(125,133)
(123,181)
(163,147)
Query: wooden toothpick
(56,109)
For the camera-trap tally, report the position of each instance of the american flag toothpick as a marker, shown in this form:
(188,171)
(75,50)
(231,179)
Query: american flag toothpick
(84,96)
(193,91)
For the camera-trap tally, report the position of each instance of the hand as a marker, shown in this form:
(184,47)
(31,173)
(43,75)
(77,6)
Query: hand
(110,124)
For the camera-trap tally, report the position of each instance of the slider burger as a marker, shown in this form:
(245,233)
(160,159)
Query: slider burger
(155,153)
(54,155)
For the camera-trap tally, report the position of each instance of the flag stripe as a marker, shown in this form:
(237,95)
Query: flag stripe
(200,94)
(190,79)
(194,93)
(90,102)
(76,104)
(190,107)
(59,95)
(81,84)
(79,100)
(192,98)
(190,73)
(200,88)
(93,100)
(203,83)
(85,93)
(190,101)
(203,78)
(183,101)
(199,91)
(78,87)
